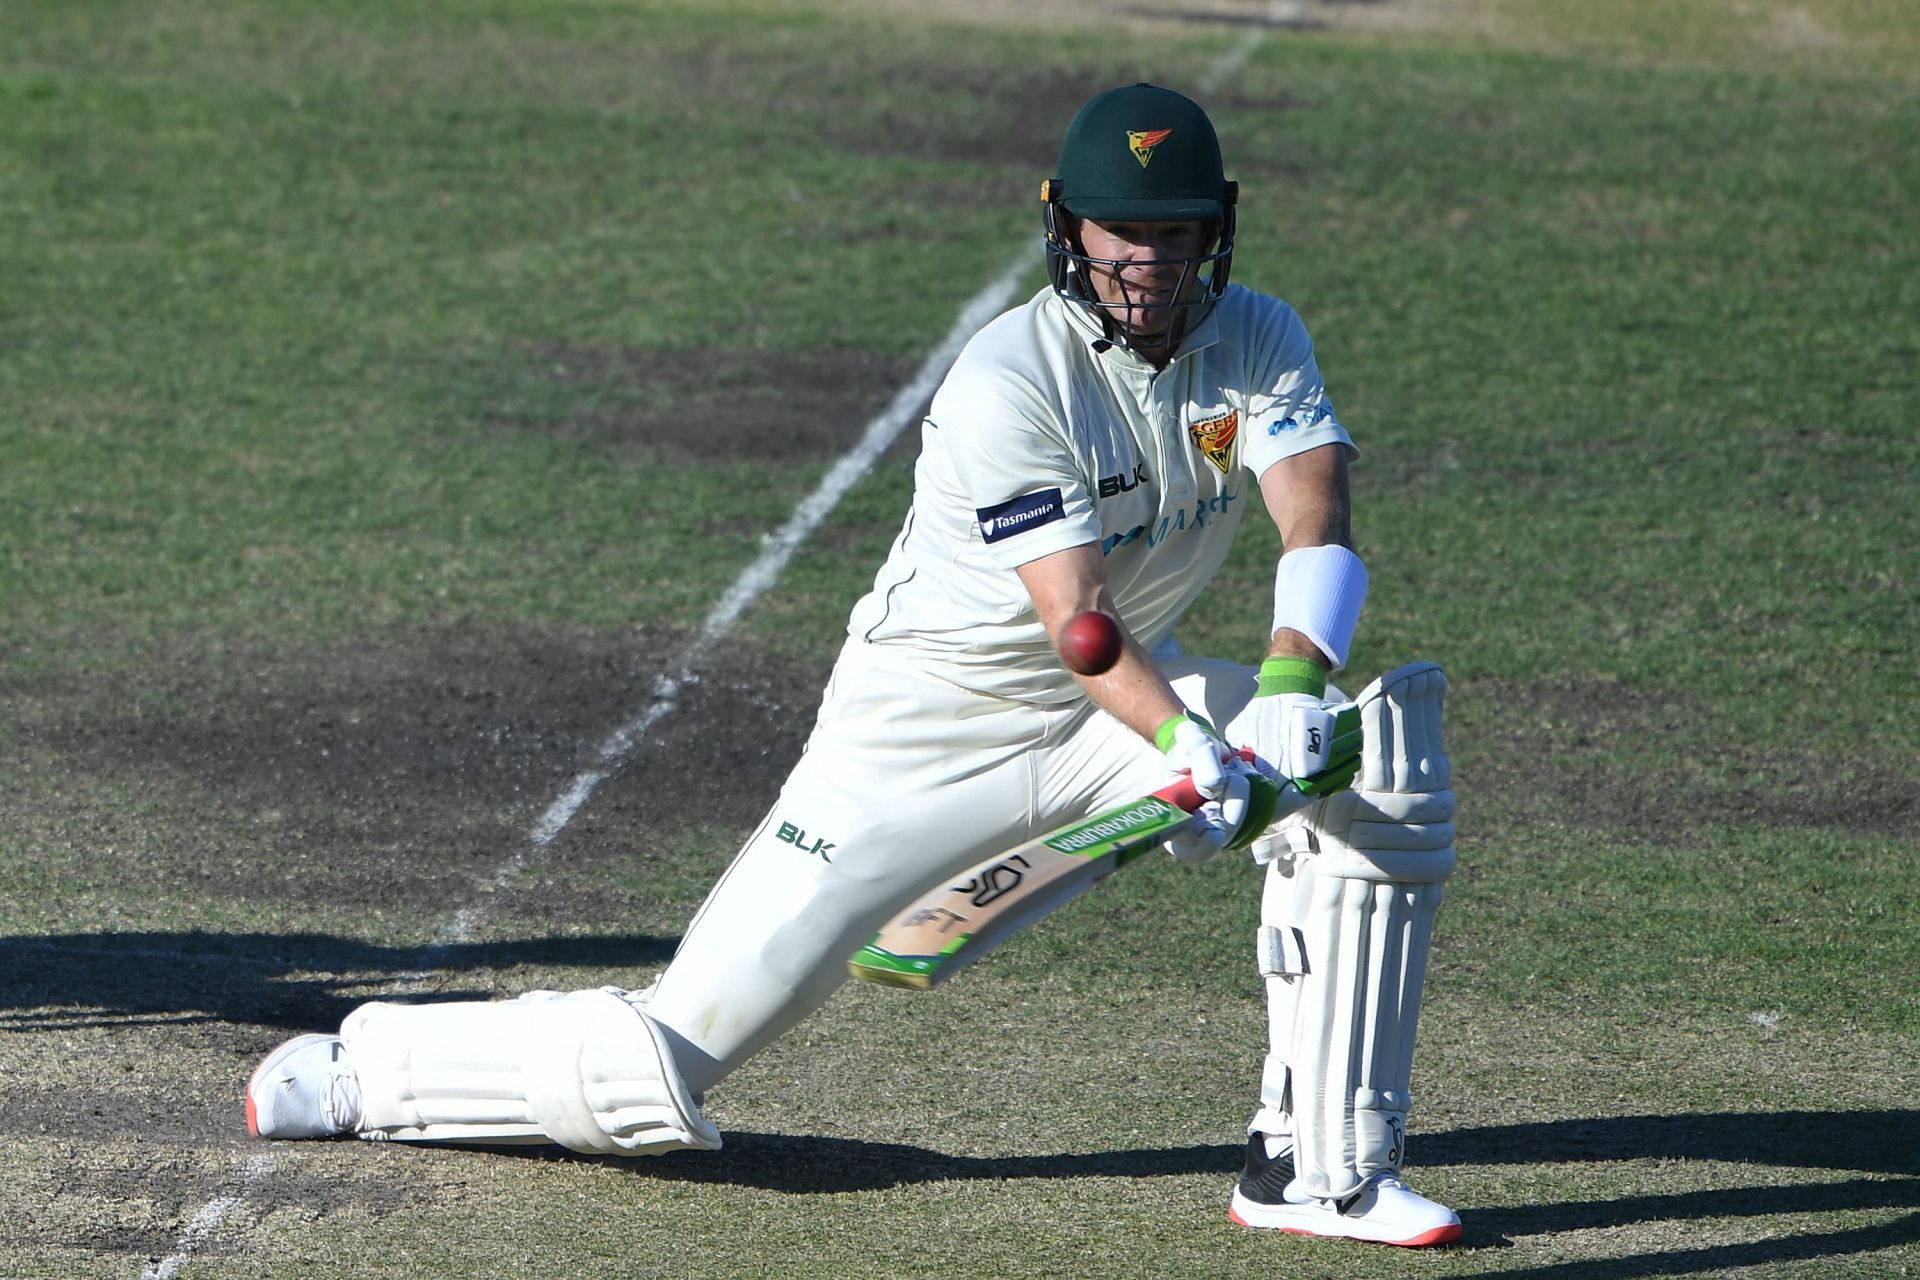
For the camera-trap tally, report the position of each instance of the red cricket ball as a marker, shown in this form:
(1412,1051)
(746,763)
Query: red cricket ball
(1090,642)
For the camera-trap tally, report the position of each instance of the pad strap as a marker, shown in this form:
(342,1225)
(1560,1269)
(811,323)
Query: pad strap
(1282,951)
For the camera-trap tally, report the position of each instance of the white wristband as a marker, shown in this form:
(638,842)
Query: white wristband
(1318,592)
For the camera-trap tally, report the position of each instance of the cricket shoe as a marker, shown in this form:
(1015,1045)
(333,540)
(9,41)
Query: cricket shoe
(1384,1210)
(303,1089)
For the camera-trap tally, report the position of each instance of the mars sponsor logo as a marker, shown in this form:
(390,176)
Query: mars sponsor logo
(797,837)
(1142,142)
(1198,517)
(1215,438)
(1017,515)
(1115,485)
(1112,826)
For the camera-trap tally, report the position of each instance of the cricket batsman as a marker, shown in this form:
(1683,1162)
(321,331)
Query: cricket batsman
(1093,449)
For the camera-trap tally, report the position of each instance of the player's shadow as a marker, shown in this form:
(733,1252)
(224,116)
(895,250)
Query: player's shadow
(1872,1142)
(311,980)
(1883,1146)
(306,980)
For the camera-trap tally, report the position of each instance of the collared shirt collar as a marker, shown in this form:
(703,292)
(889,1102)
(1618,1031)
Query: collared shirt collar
(1090,331)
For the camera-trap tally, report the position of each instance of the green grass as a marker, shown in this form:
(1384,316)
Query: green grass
(1619,301)
(262,330)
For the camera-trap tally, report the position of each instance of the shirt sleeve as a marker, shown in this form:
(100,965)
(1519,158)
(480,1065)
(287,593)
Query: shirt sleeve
(1288,410)
(1018,477)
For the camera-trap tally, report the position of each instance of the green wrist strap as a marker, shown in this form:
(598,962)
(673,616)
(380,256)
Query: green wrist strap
(1163,736)
(1292,675)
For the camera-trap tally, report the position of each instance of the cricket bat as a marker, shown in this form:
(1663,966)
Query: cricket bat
(950,927)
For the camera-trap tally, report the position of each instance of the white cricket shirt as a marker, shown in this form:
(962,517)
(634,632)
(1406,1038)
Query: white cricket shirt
(1042,437)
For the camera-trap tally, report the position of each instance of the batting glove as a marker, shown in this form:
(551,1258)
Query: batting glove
(1240,800)
(1307,745)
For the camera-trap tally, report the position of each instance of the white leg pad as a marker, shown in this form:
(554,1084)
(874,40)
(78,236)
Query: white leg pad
(586,1069)
(1354,1029)
(1347,924)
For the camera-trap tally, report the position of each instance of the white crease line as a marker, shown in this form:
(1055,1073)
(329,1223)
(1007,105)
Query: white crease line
(761,574)
(1281,13)
(211,1215)
(778,548)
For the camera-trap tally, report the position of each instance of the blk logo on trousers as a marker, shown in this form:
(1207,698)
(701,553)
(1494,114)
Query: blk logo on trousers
(797,837)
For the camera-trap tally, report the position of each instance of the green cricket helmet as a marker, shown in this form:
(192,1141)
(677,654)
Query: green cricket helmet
(1139,153)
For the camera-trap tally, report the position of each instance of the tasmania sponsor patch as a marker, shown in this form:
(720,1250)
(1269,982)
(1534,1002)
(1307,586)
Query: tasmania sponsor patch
(1215,436)
(1017,515)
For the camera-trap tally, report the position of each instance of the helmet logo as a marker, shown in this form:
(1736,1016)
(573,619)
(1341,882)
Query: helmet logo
(1142,144)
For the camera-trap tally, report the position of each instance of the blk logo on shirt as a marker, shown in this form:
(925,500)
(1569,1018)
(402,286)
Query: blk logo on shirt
(1115,485)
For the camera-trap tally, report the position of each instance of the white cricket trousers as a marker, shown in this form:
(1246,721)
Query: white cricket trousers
(905,781)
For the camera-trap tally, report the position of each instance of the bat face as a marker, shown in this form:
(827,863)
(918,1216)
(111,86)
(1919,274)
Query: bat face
(952,926)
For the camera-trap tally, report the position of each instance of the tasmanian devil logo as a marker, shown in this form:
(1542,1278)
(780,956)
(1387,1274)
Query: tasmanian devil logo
(1142,143)
(1215,438)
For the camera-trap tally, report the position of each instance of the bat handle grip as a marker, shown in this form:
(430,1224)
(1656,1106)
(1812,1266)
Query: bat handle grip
(1181,790)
